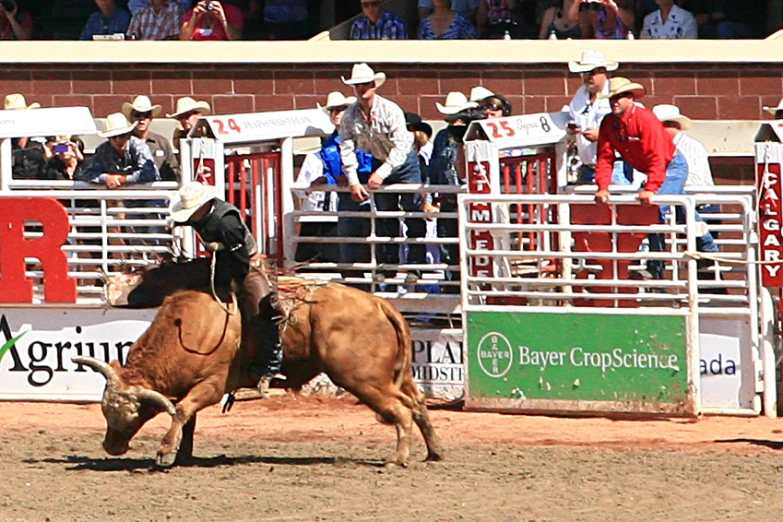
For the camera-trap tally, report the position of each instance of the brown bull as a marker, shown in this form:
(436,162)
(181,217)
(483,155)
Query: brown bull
(360,341)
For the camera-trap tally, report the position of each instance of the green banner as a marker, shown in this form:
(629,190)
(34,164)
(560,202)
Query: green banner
(577,357)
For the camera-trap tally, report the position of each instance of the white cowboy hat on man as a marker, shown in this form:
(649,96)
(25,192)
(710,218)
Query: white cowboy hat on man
(620,85)
(666,112)
(141,104)
(336,99)
(479,93)
(16,102)
(363,73)
(591,59)
(455,102)
(191,198)
(773,110)
(188,104)
(117,125)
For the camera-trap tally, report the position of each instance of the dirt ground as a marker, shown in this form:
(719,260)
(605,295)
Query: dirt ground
(318,459)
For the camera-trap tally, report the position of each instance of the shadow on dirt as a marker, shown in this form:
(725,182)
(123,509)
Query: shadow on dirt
(771,444)
(78,463)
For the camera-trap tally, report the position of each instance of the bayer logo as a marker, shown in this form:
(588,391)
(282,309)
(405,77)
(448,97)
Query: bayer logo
(494,354)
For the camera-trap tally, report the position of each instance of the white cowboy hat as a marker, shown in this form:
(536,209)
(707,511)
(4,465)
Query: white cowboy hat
(666,112)
(191,197)
(337,99)
(141,104)
(591,59)
(16,102)
(455,102)
(363,73)
(479,93)
(619,85)
(117,125)
(773,110)
(188,104)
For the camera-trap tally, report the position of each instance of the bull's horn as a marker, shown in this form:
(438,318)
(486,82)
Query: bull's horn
(104,368)
(156,398)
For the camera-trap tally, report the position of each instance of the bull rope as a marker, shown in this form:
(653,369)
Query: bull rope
(212,265)
(220,341)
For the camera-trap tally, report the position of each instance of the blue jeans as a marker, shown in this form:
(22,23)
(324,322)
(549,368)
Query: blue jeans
(622,174)
(676,176)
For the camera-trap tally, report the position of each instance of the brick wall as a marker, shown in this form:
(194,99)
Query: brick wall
(703,91)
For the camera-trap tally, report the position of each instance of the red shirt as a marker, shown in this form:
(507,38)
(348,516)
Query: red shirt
(217,31)
(641,140)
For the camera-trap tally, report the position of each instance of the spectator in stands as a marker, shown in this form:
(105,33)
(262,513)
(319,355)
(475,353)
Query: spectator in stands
(286,20)
(636,134)
(15,24)
(28,155)
(377,125)
(587,110)
(699,172)
(108,20)
(669,22)
(158,20)
(563,21)
(325,168)
(376,24)
(446,24)
(496,17)
(725,19)
(494,105)
(611,20)
(777,112)
(444,171)
(418,227)
(187,113)
(65,158)
(468,8)
(123,159)
(135,5)
(211,20)
(142,112)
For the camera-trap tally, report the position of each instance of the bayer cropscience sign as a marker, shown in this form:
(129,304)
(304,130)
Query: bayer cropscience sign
(577,357)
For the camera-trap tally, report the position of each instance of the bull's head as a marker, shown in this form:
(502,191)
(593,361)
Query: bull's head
(126,408)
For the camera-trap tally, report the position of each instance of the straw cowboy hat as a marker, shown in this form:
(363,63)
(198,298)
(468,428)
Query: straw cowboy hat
(188,104)
(191,198)
(666,112)
(117,125)
(141,104)
(16,102)
(479,93)
(337,99)
(455,102)
(591,59)
(619,85)
(773,110)
(363,73)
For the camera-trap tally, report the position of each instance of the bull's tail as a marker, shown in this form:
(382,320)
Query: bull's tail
(404,361)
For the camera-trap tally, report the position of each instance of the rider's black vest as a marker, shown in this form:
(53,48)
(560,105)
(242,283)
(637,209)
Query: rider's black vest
(208,228)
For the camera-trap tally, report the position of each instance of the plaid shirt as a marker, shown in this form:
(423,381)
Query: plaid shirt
(384,135)
(389,27)
(146,24)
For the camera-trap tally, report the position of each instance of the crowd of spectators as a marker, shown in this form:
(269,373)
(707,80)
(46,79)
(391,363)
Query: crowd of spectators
(437,19)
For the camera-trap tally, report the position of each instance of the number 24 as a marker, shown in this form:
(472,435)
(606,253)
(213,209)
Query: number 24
(232,125)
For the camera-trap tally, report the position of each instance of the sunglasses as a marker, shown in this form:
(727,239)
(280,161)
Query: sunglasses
(332,110)
(597,70)
(364,84)
(365,5)
(121,137)
(136,115)
(619,96)
(493,107)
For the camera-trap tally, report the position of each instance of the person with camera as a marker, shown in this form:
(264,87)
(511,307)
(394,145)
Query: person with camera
(212,20)
(14,24)
(447,168)
(158,20)
(108,20)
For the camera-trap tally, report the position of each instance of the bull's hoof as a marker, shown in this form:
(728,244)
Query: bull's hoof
(433,457)
(165,460)
(389,464)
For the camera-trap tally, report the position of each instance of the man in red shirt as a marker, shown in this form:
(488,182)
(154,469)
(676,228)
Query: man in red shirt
(640,138)
(211,20)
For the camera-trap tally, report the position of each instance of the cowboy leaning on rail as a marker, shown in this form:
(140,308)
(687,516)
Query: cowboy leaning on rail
(640,138)
(220,227)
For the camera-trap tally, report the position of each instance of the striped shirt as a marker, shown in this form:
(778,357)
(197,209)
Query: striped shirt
(699,172)
(147,24)
(384,135)
(389,27)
